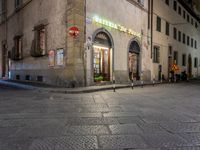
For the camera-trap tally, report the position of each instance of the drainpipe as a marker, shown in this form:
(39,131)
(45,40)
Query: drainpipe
(151,28)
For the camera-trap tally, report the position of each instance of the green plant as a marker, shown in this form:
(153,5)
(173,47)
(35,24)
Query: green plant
(98,78)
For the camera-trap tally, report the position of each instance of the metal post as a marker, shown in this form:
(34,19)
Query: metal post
(142,82)
(153,81)
(114,86)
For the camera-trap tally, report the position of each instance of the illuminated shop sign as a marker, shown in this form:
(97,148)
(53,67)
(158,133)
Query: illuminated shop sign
(110,24)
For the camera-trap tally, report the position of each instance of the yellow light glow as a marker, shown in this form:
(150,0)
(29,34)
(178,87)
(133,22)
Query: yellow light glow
(100,47)
(110,24)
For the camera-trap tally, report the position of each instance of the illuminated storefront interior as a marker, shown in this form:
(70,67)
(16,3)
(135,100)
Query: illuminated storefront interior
(102,58)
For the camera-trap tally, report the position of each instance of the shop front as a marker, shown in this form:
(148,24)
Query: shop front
(102,57)
(134,61)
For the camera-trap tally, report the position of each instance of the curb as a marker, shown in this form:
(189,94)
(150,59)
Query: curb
(76,91)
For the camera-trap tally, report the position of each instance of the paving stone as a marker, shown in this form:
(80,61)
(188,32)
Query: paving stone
(164,140)
(193,138)
(157,119)
(38,132)
(130,120)
(7,132)
(91,121)
(185,148)
(125,129)
(86,130)
(65,143)
(31,122)
(15,144)
(151,128)
(181,127)
(121,142)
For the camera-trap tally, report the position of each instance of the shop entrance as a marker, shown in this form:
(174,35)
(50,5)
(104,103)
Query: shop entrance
(4,56)
(134,60)
(102,57)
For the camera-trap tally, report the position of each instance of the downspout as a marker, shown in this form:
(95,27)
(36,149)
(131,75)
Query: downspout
(151,28)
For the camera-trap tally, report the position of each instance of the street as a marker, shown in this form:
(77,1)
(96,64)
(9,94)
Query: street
(164,117)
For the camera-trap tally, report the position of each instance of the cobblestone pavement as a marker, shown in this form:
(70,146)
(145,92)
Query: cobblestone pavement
(164,117)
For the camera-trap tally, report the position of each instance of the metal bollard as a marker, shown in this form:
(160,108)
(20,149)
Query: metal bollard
(114,86)
(153,82)
(132,84)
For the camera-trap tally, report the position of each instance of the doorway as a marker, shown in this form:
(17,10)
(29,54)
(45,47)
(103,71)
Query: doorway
(189,66)
(4,60)
(102,53)
(134,61)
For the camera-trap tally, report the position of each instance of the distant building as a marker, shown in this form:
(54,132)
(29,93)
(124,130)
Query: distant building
(176,38)
(86,42)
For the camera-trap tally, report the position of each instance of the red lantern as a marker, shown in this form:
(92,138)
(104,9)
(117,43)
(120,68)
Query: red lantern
(73,31)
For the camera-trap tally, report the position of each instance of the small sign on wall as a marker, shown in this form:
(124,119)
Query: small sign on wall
(51,58)
(60,57)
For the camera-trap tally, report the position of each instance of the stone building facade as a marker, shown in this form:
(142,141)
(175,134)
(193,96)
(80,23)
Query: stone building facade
(111,42)
(176,39)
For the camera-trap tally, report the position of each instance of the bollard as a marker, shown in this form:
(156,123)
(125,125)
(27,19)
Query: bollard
(142,82)
(132,84)
(153,82)
(114,86)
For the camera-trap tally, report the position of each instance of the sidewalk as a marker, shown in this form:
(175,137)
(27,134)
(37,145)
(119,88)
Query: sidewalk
(48,88)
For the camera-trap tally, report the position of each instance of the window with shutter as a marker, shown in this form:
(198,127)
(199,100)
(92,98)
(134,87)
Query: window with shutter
(156,54)
(38,48)
(17,49)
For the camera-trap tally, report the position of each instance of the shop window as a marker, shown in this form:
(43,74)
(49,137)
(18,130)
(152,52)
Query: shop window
(184,60)
(16,53)
(188,40)
(158,26)
(167,28)
(175,33)
(179,36)
(156,54)
(175,5)
(39,43)
(195,62)
(183,38)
